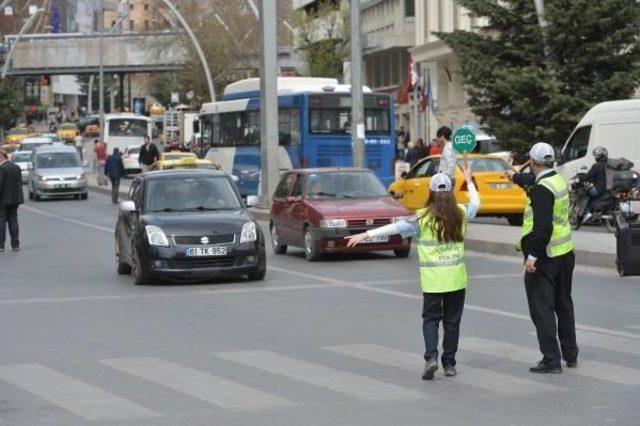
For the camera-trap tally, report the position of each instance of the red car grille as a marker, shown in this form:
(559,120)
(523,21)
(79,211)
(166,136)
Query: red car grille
(369,222)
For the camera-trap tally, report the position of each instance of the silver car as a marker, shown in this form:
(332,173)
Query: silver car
(22,159)
(57,172)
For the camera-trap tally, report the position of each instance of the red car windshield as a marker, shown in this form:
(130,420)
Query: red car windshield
(344,185)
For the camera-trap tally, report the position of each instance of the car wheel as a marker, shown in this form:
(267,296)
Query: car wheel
(84,196)
(122,267)
(275,241)
(311,252)
(30,195)
(515,219)
(36,196)
(403,252)
(137,270)
(261,272)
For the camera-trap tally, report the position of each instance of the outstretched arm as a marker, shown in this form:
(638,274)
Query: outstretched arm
(406,228)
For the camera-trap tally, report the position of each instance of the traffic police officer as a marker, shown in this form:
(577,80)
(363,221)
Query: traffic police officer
(549,260)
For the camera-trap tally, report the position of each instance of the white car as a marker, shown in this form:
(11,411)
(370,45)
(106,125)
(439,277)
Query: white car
(131,160)
(23,160)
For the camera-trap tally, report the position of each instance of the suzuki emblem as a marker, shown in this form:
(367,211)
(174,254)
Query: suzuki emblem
(369,222)
(204,240)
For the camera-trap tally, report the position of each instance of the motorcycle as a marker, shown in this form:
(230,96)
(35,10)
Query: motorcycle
(608,210)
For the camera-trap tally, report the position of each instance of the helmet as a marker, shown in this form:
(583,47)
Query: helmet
(600,153)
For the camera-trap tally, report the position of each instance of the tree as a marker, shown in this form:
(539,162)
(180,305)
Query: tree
(522,95)
(322,38)
(11,104)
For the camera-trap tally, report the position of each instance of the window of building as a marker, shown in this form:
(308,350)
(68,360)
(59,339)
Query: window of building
(146,6)
(131,6)
(409,8)
(146,24)
(132,25)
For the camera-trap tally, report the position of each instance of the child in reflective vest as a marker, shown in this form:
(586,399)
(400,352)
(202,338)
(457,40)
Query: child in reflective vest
(440,229)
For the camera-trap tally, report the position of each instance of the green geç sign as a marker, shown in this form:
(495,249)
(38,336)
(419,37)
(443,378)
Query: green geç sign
(464,140)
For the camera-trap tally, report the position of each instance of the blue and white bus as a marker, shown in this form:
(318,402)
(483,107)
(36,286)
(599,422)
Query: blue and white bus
(314,120)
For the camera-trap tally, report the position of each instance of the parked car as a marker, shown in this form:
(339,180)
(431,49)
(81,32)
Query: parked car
(31,143)
(498,196)
(57,172)
(316,208)
(131,160)
(186,225)
(23,160)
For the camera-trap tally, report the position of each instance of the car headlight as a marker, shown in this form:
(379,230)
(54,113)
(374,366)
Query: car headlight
(249,233)
(399,218)
(156,236)
(81,176)
(333,223)
(42,178)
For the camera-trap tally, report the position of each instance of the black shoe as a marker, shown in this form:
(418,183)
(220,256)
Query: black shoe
(543,368)
(572,364)
(430,368)
(450,371)
(16,248)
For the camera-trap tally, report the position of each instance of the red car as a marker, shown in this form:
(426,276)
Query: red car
(316,208)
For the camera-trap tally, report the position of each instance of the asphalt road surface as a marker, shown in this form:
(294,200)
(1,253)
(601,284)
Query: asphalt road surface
(336,342)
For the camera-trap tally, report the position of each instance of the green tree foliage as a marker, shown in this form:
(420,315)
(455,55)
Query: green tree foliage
(322,38)
(522,95)
(11,102)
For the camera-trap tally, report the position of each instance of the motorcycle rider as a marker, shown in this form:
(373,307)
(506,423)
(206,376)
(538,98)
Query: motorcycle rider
(597,175)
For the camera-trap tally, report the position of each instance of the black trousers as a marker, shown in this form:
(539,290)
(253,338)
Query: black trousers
(9,215)
(115,188)
(549,297)
(445,307)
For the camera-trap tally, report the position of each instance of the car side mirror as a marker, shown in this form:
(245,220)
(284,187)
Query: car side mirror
(235,178)
(127,207)
(404,175)
(252,201)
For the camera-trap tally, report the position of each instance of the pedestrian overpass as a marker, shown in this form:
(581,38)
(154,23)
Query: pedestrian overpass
(76,53)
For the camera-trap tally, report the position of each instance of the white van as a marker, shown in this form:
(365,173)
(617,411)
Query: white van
(613,125)
(124,130)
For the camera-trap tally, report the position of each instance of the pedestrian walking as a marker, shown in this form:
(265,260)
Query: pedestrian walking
(10,199)
(441,228)
(448,158)
(547,246)
(114,169)
(149,154)
(99,160)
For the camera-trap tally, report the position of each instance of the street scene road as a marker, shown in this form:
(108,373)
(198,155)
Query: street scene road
(330,342)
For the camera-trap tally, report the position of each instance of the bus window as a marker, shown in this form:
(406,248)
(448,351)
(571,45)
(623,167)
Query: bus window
(377,121)
(289,127)
(330,120)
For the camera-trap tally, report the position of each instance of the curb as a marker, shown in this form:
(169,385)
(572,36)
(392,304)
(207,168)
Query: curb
(106,190)
(583,257)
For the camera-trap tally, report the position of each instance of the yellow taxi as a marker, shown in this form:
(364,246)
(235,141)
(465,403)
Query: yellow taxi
(176,155)
(68,132)
(498,196)
(186,162)
(15,135)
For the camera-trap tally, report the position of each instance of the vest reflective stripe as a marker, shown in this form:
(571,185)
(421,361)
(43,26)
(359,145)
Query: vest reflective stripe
(561,241)
(442,266)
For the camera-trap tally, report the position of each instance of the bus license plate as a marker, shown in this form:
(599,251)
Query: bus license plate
(373,240)
(501,186)
(206,251)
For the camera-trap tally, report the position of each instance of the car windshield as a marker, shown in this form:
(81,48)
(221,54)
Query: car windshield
(21,158)
(17,132)
(478,165)
(177,156)
(191,166)
(133,150)
(344,185)
(57,160)
(190,194)
(31,146)
(67,127)
(127,127)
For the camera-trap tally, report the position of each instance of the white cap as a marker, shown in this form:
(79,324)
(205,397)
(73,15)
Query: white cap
(440,183)
(542,152)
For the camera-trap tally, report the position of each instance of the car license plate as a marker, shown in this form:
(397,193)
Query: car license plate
(382,239)
(206,251)
(61,186)
(501,186)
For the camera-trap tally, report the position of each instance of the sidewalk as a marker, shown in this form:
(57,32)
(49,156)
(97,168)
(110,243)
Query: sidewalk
(592,248)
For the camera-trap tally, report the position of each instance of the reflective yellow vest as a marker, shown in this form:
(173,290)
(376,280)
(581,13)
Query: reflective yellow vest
(442,267)
(561,241)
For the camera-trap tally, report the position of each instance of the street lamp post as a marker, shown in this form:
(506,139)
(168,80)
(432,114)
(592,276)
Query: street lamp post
(357,119)
(23,30)
(101,67)
(194,40)
(542,22)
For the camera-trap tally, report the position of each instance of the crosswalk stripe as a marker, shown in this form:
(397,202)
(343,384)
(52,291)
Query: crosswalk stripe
(197,384)
(319,375)
(80,398)
(612,343)
(587,368)
(477,377)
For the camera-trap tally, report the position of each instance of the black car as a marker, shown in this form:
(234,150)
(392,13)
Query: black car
(187,225)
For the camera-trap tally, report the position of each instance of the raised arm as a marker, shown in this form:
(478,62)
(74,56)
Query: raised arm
(406,228)
(474,198)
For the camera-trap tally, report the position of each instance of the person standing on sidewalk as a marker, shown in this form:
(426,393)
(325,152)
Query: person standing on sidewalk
(149,154)
(100,159)
(114,169)
(547,246)
(448,158)
(10,198)
(441,228)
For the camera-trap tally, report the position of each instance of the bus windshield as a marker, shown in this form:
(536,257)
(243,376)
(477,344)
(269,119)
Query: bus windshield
(128,127)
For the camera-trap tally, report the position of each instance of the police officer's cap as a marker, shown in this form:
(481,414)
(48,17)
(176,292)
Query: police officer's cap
(542,153)
(440,183)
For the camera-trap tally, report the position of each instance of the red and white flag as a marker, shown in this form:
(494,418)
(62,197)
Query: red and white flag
(412,78)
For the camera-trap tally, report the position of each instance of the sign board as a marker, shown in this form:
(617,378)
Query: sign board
(175,97)
(464,140)
(360,131)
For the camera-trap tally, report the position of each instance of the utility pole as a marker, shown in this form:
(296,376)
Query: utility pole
(101,67)
(357,99)
(268,101)
(542,22)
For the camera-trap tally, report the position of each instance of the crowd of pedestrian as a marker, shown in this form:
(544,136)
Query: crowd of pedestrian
(413,151)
